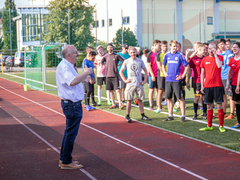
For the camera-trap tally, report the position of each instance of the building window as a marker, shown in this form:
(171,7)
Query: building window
(126,20)
(209,20)
(95,24)
(110,22)
(103,23)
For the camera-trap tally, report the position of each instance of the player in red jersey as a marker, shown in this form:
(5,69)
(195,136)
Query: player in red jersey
(153,71)
(194,64)
(211,85)
(234,66)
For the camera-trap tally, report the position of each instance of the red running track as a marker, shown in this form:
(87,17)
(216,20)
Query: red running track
(114,149)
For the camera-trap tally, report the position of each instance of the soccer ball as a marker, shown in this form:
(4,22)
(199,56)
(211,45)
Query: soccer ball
(136,101)
(177,105)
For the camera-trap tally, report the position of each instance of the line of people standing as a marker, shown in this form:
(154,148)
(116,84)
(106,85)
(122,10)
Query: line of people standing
(169,73)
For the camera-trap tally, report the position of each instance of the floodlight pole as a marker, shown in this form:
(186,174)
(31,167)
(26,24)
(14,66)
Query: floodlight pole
(68,26)
(96,26)
(174,24)
(40,26)
(122,24)
(44,78)
(148,27)
(10,30)
(200,25)
(225,27)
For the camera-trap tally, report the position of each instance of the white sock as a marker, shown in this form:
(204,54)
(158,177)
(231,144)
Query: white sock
(99,95)
(108,95)
(171,115)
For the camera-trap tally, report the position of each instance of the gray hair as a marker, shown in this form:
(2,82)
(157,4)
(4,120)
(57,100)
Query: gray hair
(67,50)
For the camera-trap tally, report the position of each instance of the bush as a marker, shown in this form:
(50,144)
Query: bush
(80,59)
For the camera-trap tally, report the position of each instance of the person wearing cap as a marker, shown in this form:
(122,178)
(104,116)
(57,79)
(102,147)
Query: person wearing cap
(111,60)
(122,85)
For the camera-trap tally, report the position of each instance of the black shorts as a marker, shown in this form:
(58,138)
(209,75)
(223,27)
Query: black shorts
(192,81)
(175,87)
(184,81)
(88,87)
(230,93)
(213,93)
(235,97)
(100,80)
(152,84)
(161,83)
(112,83)
(197,87)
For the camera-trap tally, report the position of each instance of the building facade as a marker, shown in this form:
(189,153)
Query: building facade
(186,21)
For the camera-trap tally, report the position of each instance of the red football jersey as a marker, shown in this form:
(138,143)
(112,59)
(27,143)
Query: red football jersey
(212,72)
(195,63)
(235,65)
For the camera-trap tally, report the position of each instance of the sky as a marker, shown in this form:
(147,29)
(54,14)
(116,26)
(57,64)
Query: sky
(17,2)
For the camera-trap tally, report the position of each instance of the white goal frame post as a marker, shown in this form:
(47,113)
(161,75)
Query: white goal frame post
(41,83)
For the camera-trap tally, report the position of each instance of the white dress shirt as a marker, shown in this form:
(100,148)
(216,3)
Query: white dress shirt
(65,74)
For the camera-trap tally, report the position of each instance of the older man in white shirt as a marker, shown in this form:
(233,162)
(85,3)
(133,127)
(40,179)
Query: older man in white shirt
(70,90)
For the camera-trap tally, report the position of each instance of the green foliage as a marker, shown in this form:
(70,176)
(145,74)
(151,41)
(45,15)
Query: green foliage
(1,13)
(80,59)
(99,42)
(1,42)
(80,19)
(128,37)
(6,27)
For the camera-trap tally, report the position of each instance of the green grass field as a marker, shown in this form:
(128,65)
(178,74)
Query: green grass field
(229,139)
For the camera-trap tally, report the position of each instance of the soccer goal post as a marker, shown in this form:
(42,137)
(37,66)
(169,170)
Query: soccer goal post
(40,66)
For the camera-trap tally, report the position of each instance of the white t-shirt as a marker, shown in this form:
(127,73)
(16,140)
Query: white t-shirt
(134,70)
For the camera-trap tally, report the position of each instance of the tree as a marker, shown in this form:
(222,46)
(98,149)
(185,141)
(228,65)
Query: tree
(1,42)
(6,27)
(81,17)
(99,42)
(1,13)
(128,38)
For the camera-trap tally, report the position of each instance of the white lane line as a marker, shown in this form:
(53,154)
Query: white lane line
(36,134)
(138,149)
(46,142)
(43,102)
(149,154)
(173,132)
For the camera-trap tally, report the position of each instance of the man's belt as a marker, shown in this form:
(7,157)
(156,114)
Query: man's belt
(70,100)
